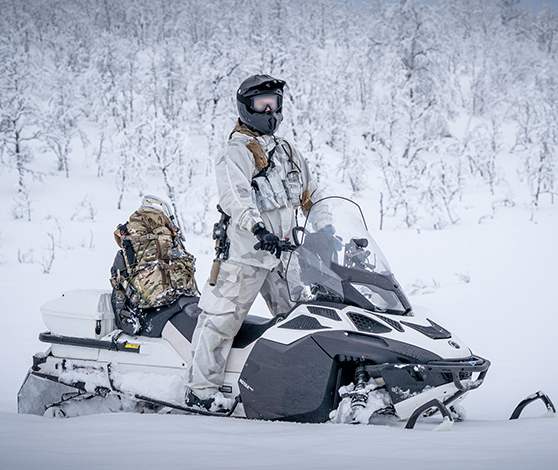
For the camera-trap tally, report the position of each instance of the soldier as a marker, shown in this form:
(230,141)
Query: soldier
(262,181)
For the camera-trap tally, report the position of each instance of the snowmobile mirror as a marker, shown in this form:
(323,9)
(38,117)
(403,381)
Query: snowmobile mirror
(360,242)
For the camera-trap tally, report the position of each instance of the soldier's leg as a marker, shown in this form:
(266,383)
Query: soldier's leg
(275,293)
(224,306)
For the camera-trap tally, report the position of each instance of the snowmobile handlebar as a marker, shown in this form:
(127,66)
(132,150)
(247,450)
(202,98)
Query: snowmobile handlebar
(278,246)
(286,245)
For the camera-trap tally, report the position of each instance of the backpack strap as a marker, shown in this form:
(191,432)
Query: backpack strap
(122,237)
(149,236)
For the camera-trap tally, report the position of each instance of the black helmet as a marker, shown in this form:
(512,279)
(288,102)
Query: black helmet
(260,103)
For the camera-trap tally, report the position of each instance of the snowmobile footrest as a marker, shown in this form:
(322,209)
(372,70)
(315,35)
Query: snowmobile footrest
(189,409)
(434,403)
(551,410)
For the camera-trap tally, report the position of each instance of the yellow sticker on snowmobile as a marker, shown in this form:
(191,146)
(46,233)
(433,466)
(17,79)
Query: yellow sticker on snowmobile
(132,346)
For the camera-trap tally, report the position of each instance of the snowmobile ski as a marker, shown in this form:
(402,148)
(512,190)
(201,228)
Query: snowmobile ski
(439,406)
(540,395)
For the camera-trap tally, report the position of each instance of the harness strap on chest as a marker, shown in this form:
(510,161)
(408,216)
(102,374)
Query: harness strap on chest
(306,201)
(261,161)
(260,158)
(259,155)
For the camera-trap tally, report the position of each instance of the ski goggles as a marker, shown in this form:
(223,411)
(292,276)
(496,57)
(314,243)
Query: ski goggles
(266,102)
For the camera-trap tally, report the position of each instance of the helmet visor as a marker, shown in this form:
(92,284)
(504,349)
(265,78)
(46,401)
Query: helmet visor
(266,102)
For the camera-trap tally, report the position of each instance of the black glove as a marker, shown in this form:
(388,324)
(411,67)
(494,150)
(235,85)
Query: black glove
(267,241)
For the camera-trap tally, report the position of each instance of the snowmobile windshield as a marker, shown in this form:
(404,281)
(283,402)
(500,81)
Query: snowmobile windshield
(337,260)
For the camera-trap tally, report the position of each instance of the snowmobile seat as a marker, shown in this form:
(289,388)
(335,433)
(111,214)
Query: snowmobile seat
(186,318)
(252,328)
(183,314)
(154,320)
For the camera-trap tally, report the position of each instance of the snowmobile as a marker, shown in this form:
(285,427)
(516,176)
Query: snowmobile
(352,349)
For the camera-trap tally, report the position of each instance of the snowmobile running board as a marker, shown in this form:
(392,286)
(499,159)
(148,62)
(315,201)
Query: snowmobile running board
(551,410)
(101,390)
(188,409)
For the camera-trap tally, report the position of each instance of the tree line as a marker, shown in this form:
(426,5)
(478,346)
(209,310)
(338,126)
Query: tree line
(420,100)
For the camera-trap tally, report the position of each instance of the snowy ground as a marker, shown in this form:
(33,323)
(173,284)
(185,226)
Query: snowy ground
(153,441)
(492,283)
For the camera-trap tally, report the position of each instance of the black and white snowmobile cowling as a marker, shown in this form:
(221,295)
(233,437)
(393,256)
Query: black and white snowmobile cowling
(352,350)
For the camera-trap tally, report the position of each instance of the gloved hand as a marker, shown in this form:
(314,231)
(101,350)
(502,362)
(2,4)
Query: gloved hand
(323,243)
(267,241)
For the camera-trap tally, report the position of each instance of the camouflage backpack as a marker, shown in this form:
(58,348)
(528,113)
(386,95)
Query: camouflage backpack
(157,268)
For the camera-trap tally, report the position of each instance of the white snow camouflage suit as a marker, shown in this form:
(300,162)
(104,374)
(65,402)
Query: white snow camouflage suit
(247,271)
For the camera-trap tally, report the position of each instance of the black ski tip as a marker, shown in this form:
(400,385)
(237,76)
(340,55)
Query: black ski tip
(540,395)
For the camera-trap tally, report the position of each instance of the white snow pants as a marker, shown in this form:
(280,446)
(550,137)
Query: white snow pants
(225,307)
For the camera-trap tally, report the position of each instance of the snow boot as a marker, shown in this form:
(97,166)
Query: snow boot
(216,403)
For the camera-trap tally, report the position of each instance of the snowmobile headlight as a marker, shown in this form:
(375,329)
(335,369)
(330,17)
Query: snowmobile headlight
(382,300)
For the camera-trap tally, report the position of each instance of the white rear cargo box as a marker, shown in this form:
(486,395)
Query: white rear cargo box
(82,313)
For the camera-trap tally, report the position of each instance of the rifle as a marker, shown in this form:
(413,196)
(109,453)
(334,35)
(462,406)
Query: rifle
(222,244)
